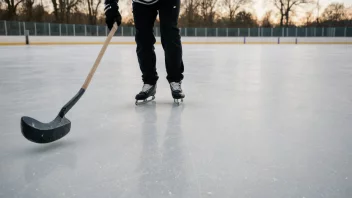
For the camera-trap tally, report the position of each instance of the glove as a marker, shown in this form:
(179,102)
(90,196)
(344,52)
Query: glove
(112,13)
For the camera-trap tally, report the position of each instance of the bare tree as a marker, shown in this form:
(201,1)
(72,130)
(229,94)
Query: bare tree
(126,12)
(349,14)
(311,15)
(28,9)
(309,18)
(286,8)
(245,19)
(318,11)
(279,4)
(92,6)
(208,11)
(11,8)
(267,19)
(334,12)
(190,11)
(233,6)
(38,12)
(63,8)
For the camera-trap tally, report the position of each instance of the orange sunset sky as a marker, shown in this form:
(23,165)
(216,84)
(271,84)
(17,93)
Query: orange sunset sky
(261,6)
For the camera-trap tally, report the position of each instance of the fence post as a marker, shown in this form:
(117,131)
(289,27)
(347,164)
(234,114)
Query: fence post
(287,32)
(66,30)
(60,28)
(24,28)
(49,29)
(97,30)
(238,31)
(227,32)
(5,28)
(323,32)
(121,31)
(249,32)
(272,32)
(334,32)
(283,32)
(74,30)
(345,31)
(216,32)
(206,32)
(35,29)
(85,30)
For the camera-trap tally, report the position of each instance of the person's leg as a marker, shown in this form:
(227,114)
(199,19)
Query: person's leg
(171,40)
(144,18)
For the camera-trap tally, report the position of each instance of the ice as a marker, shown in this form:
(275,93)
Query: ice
(257,121)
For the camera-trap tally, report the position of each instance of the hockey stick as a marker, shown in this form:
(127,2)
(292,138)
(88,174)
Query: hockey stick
(38,132)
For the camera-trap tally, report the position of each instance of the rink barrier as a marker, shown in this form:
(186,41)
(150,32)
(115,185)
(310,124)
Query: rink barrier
(184,43)
(70,40)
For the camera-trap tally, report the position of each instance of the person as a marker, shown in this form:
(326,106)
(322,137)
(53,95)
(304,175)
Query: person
(144,14)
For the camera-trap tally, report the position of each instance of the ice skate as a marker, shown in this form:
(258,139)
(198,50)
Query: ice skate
(177,92)
(147,91)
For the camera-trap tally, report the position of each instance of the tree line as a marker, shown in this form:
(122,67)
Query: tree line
(194,13)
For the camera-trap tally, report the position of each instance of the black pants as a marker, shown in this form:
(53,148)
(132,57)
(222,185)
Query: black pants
(144,18)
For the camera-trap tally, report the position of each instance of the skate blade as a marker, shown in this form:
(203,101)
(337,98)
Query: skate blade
(177,101)
(144,101)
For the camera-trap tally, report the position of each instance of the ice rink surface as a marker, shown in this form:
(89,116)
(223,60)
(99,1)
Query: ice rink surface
(257,121)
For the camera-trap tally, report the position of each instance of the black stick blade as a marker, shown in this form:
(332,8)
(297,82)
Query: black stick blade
(38,132)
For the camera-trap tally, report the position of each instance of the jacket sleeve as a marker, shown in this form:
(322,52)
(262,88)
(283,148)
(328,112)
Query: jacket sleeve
(110,4)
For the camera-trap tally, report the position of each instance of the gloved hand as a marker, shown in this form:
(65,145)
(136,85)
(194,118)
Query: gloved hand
(112,13)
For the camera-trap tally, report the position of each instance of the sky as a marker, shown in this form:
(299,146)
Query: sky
(260,5)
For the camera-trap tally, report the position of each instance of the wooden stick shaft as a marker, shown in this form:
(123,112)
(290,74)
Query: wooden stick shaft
(100,56)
